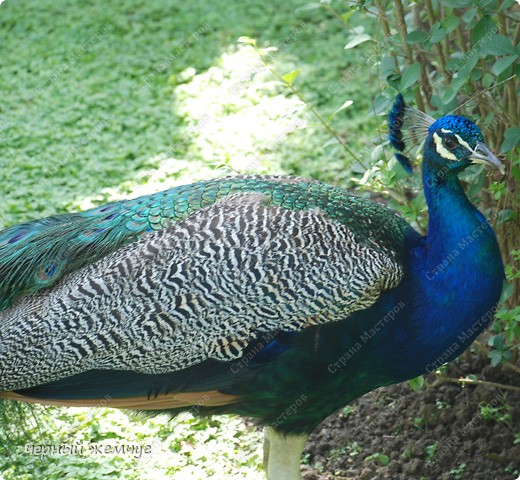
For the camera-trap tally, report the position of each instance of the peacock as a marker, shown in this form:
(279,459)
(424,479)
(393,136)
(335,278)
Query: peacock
(277,298)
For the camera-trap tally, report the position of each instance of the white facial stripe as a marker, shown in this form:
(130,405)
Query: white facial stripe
(463,143)
(441,149)
(443,130)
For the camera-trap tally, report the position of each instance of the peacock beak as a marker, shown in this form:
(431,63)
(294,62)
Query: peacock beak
(482,154)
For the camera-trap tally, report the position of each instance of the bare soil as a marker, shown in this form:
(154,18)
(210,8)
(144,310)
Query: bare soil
(444,432)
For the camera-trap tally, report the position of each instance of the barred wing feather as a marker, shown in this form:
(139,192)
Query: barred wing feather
(199,289)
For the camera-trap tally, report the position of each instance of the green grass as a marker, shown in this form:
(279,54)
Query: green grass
(102,101)
(103,443)
(94,95)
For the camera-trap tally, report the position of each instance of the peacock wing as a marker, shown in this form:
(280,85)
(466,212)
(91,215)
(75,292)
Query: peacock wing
(254,262)
(36,255)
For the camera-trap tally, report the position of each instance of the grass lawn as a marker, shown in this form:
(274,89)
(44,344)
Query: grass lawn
(103,101)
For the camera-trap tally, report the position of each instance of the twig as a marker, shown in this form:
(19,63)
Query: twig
(511,366)
(442,379)
(425,81)
(482,92)
(401,26)
(484,350)
(462,40)
(511,106)
(386,28)
(311,108)
(438,46)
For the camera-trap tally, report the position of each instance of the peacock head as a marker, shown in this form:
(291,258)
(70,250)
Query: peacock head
(454,143)
(451,143)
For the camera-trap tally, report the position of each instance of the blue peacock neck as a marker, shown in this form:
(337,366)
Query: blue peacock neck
(461,271)
(453,222)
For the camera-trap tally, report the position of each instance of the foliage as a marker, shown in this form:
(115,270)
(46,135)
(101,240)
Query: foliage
(91,444)
(507,324)
(458,472)
(102,100)
(429,452)
(378,457)
(416,383)
(458,57)
(462,57)
(499,413)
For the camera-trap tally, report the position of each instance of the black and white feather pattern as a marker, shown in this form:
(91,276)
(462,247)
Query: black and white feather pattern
(200,289)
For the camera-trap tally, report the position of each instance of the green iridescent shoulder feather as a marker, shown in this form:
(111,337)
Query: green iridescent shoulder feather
(37,254)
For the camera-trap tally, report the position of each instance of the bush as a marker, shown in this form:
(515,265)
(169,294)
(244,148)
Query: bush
(455,56)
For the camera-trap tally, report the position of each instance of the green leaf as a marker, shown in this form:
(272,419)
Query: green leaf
(508,215)
(457,3)
(444,108)
(498,45)
(505,4)
(502,63)
(496,341)
(289,77)
(515,170)
(487,80)
(346,16)
(511,139)
(430,451)
(246,40)
(476,75)
(417,36)
(484,3)
(394,79)
(309,6)
(387,66)
(471,61)
(469,15)
(347,104)
(357,40)
(450,23)
(378,457)
(437,33)
(495,356)
(481,29)
(410,76)
(456,84)
(416,383)
(382,103)
(329,142)
(449,94)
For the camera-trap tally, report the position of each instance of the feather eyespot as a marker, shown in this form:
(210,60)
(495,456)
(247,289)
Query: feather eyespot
(45,273)
(449,142)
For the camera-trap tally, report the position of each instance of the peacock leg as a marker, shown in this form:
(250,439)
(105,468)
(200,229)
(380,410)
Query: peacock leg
(282,455)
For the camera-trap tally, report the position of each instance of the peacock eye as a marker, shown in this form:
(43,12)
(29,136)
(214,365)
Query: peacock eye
(449,142)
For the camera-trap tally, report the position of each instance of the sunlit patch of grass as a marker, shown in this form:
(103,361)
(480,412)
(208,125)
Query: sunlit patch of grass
(244,115)
(106,443)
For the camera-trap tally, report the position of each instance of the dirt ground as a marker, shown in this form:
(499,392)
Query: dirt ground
(445,432)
